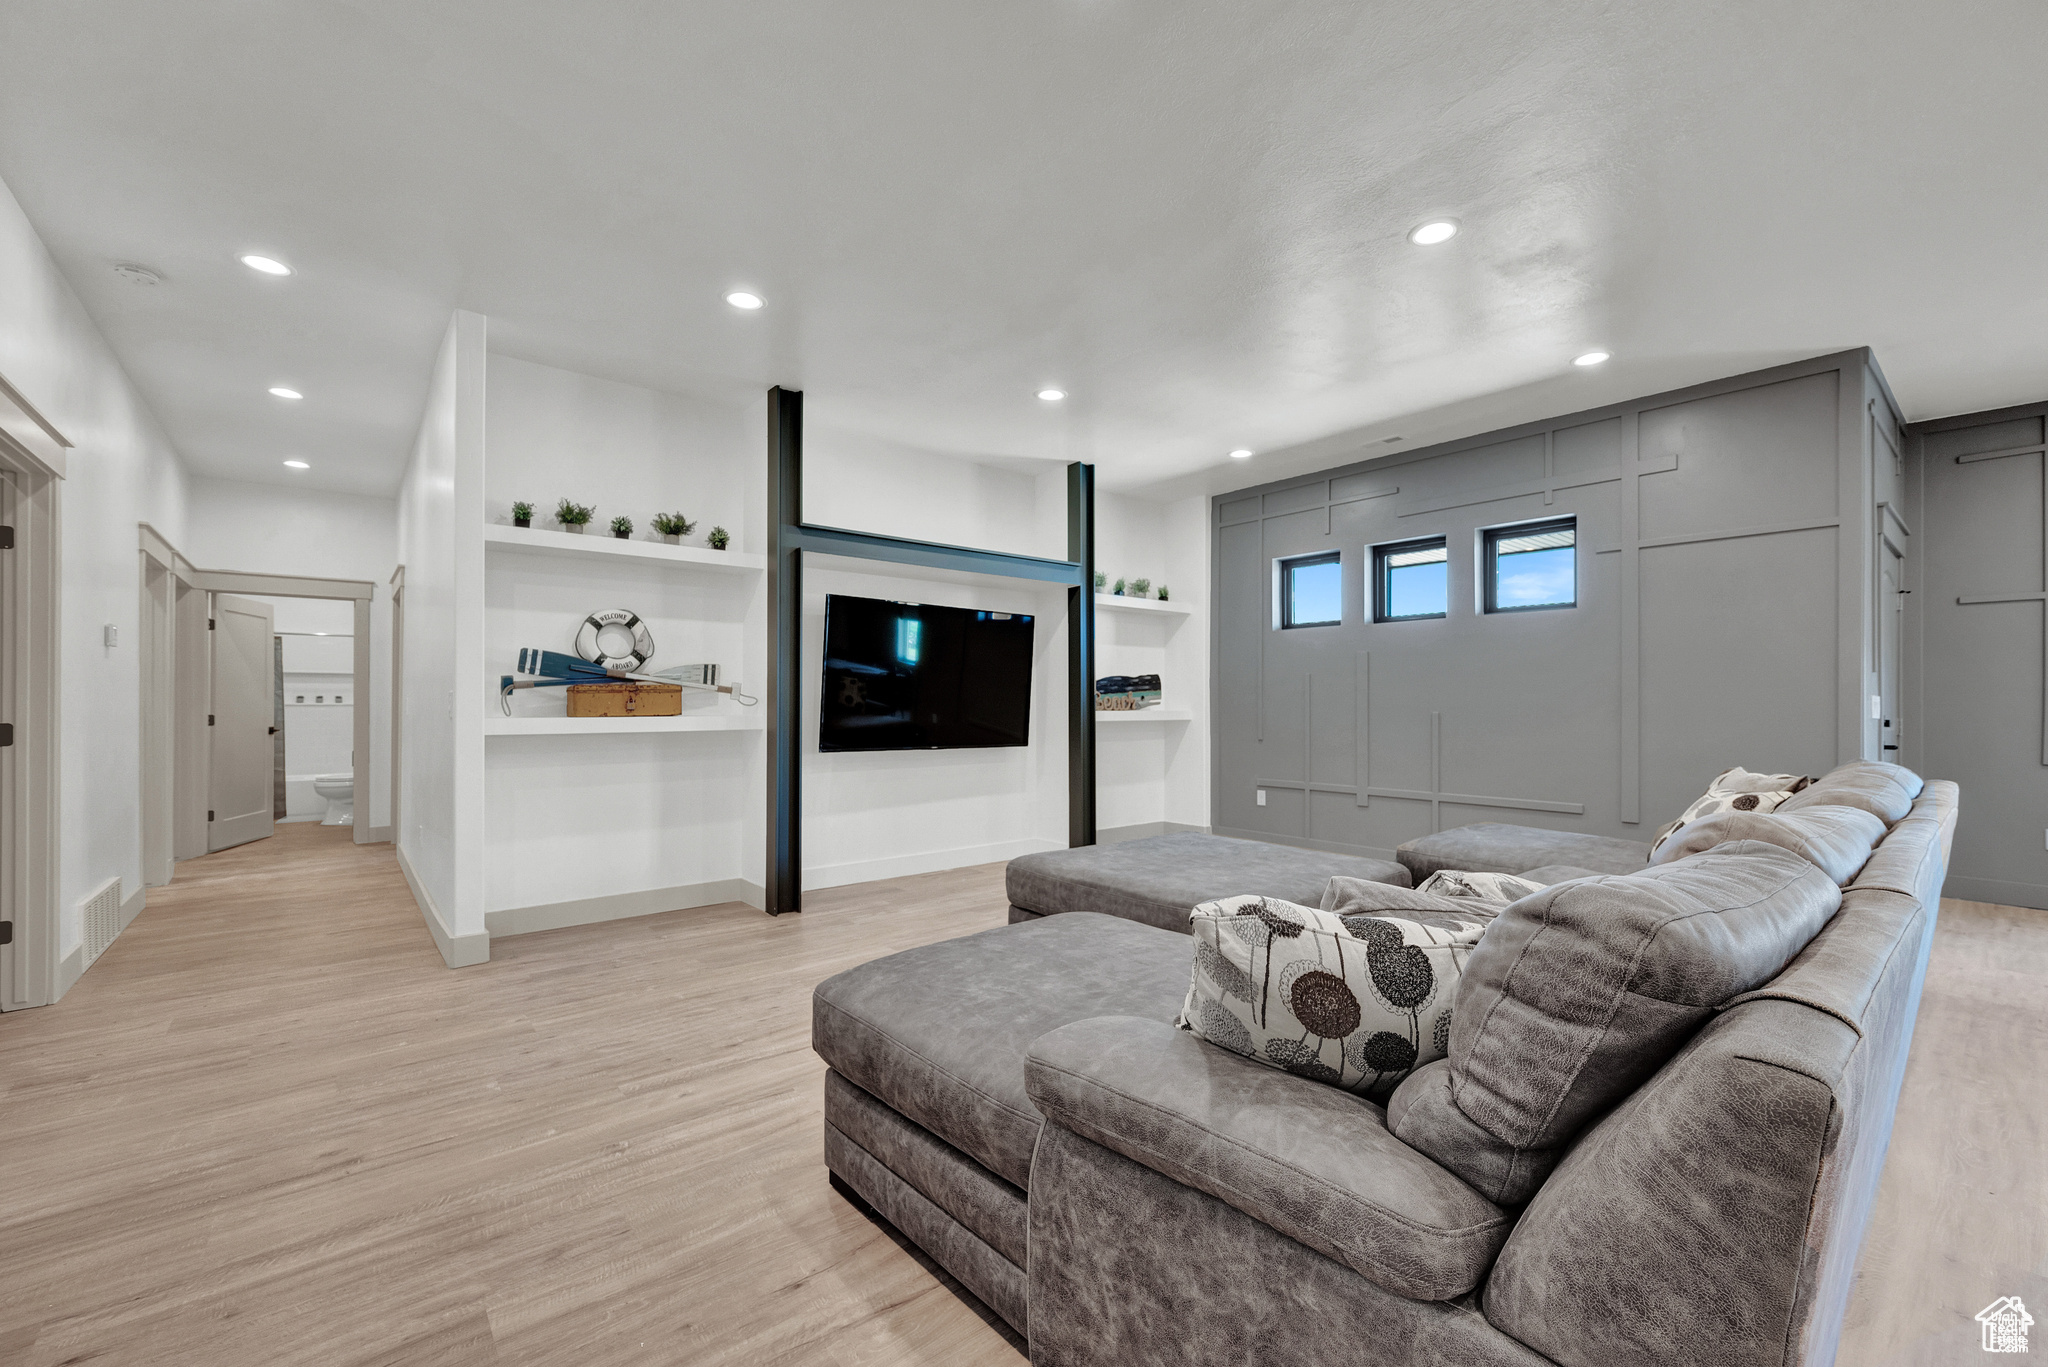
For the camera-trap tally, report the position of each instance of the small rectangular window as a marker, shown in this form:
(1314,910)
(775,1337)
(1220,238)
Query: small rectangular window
(1532,566)
(1312,591)
(1410,581)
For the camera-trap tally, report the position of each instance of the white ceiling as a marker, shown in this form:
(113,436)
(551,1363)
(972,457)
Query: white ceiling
(1189,215)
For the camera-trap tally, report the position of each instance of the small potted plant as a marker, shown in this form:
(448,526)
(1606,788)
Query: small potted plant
(1162,593)
(1140,587)
(574,517)
(673,527)
(717,538)
(1101,581)
(1119,589)
(622,527)
(522,514)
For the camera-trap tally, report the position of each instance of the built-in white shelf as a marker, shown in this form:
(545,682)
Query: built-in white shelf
(1145,714)
(1112,603)
(604,543)
(615,726)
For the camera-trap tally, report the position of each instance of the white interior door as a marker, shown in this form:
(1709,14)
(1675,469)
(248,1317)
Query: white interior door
(239,795)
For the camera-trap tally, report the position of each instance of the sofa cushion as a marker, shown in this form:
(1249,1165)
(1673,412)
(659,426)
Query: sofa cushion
(1578,993)
(1494,847)
(1734,790)
(1886,791)
(1310,1162)
(1838,841)
(1546,874)
(1160,879)
(938,1033)
(1497,888)
(1353,1001)
(1835,840)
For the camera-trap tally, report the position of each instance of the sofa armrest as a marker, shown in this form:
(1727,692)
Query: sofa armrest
(1311,1162)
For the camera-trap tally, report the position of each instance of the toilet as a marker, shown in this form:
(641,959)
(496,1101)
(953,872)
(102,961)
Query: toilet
(340,792)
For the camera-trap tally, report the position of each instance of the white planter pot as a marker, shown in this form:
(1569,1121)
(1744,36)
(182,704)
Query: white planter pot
(673,540)
(573,528)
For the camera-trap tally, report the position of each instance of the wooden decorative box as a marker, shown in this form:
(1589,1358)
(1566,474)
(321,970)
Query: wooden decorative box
(625,700)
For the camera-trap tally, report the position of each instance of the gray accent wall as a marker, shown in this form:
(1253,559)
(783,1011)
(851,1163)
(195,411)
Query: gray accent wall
(1727,614)
(1974,641)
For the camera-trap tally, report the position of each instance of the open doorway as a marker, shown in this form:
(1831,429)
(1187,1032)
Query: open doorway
(256,705)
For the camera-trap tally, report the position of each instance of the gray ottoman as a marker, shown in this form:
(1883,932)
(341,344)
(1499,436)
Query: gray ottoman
(1159,880)
(1493,847)
(926,1117)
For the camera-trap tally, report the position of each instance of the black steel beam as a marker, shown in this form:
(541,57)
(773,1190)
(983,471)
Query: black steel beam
(1081,656)
(932,554)
(782,878)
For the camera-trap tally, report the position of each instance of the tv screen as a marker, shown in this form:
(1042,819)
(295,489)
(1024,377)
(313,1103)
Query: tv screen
(912,676)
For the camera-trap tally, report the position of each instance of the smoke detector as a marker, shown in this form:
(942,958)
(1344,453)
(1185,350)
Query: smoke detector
(137,275)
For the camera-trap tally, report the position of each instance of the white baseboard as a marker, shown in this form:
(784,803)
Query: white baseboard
(1113,835)
(585,911)
(930,861)
(459,951)
(70,969)
(132,908)
(379,835)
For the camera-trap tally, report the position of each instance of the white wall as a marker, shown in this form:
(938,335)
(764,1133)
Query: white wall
(880,815)
(440,777)
(557,434)
(575,818)
(866,484)
(276,529)
(887,813)
(123,470)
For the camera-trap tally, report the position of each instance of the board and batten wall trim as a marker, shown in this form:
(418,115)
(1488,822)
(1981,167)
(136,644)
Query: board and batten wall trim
(1976,640)
(1762,486)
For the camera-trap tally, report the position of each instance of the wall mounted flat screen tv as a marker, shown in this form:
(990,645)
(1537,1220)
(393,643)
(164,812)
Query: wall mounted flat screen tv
(913,676)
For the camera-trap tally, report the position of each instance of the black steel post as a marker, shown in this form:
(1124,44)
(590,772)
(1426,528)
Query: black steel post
(1081,657)
(782,875)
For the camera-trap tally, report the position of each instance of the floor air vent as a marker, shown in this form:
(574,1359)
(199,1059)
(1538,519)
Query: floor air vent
(101,914)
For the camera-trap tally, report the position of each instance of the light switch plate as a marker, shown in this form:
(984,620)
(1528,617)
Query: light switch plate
(1262,797)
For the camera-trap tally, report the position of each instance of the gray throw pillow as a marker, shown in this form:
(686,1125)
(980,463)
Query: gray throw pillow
(1886,791)
(1579,993)
(1835,840)
(1355,1000)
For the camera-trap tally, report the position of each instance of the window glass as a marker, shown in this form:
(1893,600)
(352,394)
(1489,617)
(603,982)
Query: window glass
(1413,580)
(1532,567)
(1312,591)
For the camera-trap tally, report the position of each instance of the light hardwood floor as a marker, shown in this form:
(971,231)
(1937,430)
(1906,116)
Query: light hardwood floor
(268,1127)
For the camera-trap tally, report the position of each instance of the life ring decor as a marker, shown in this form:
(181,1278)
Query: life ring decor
(590,635)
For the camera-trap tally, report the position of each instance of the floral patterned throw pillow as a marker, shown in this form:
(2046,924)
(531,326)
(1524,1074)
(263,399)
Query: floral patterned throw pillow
(1357,1000)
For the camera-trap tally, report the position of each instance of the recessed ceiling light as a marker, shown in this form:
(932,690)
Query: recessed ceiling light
(1240,454)
(298,465)
(1590,358)
(266,264)
(1435,231)
(740,299)
(137,275)
(1052,395)
(281,392)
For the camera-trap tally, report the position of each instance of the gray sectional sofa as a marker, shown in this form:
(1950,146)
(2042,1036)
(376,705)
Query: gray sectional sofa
(1019,1103)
